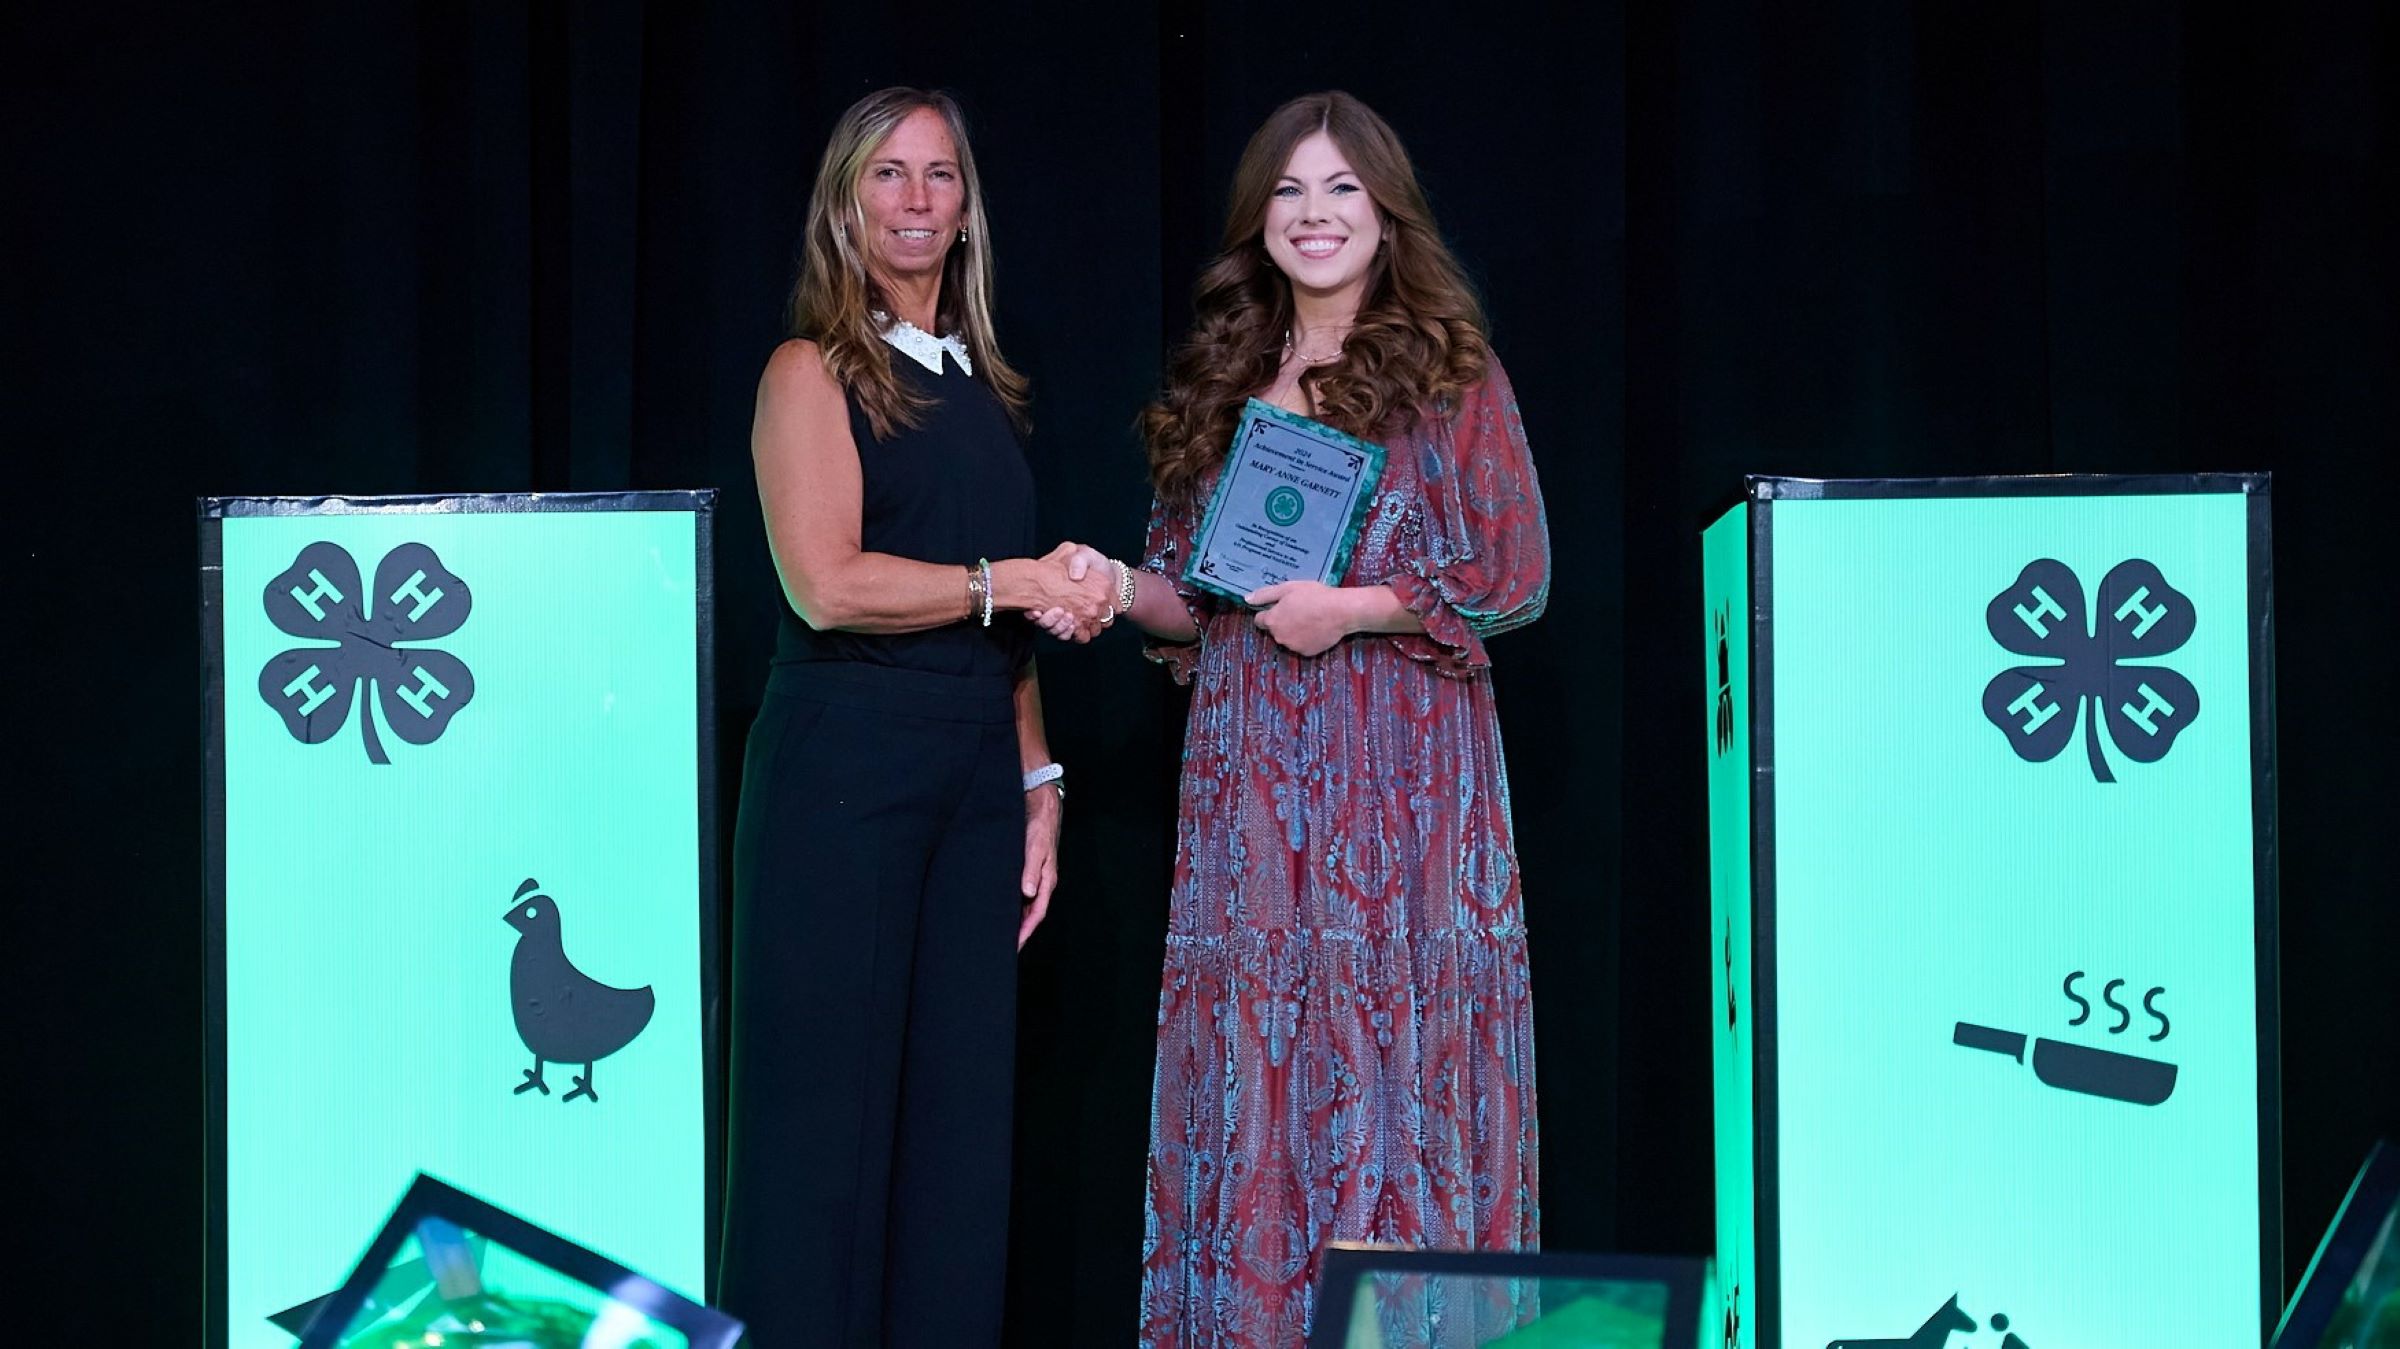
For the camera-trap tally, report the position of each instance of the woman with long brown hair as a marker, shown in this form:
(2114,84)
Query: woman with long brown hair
(1345,1034)
(899,814)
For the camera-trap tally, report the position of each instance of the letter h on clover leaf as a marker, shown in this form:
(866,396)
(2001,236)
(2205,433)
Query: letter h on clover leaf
(2140,708)
(415,599)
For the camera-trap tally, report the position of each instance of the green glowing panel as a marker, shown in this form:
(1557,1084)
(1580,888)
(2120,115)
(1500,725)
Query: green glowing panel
(1725,551)
(2011,890)
(461,877)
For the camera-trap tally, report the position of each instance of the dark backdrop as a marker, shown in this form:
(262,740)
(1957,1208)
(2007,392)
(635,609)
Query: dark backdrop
(460,247)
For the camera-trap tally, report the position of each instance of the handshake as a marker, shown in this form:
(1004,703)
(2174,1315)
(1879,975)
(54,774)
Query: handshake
(1081,591)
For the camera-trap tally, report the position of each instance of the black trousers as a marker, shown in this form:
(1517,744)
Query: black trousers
(876,858)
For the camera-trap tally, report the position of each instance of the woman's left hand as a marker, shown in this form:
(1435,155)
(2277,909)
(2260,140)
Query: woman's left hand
(1062,625)
(1044,809)
(1305,618)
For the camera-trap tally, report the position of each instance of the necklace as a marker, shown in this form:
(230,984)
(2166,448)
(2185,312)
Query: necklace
(1304,358)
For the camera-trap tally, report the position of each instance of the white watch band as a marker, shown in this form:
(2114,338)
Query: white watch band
(1048,772)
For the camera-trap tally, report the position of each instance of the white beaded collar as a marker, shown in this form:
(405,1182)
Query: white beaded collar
(923,347)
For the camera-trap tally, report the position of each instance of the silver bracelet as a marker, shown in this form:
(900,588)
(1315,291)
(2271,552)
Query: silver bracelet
(1050,773)
(983,568)
(1125,591)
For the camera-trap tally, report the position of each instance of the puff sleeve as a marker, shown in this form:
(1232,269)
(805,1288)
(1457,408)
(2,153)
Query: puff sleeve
(1484,567)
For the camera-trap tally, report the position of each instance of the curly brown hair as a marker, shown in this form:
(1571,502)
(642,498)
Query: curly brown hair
(1418,339)
(835,299)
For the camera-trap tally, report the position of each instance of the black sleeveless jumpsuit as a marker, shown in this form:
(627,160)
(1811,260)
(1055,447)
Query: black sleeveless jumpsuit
(877,853)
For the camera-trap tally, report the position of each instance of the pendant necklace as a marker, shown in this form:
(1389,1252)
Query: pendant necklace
(1303,357)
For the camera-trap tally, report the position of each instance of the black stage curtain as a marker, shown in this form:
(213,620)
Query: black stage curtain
(459,247)
(1894,239)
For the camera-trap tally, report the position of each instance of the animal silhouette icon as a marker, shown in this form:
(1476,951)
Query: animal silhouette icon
(1934,1334)
(564,1015)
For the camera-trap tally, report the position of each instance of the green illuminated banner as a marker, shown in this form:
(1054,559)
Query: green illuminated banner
(461,878)
(1992,906)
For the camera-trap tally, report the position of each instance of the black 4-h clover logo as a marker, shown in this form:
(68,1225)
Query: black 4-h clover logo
(415,599)
(2141,617)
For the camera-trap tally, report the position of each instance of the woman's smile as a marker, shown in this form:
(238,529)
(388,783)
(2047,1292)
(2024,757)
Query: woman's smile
(1317,209)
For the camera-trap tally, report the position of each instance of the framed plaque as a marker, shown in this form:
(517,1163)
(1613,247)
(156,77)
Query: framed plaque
(1288,505)
(448,1268)
(1377,1297)
(2350,1295)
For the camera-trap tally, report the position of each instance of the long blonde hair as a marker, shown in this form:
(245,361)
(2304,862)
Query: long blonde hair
(835,299)
(1418,339)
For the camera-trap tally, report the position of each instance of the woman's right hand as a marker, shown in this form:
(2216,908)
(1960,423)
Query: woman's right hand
(1084,564)
(1062,581)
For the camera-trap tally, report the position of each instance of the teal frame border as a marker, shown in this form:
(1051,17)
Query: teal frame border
(2369,1201)
(426,1197)
(213,511)
(1362,494)
(1685,1279)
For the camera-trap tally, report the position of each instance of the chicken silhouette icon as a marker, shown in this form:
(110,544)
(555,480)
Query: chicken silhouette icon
(564,1015)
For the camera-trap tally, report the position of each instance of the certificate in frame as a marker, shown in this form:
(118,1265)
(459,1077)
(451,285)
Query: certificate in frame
(1289,504)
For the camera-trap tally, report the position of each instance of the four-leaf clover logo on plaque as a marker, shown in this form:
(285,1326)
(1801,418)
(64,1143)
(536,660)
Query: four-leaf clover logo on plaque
(415,599)
(2140,618)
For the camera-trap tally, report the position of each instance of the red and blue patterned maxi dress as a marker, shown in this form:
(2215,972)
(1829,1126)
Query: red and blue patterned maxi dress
(1345,1032)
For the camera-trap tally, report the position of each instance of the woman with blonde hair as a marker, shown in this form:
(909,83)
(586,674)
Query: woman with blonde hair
(899,814)
(1345,1033)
